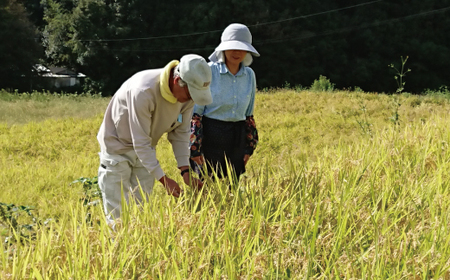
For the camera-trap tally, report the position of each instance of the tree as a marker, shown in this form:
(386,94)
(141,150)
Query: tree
(35,12)
(111,40)
(19,47)
(350,42)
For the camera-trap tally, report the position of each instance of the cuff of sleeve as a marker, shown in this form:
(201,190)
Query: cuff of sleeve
(195,153)
(249,151)
(182,161)
(158,173)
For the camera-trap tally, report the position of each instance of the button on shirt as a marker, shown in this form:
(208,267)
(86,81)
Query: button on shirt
(233,95)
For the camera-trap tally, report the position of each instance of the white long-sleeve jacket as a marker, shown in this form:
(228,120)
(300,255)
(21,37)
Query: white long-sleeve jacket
(138,115)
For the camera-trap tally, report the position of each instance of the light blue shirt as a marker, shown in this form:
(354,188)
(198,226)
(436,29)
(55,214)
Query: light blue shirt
(233,95)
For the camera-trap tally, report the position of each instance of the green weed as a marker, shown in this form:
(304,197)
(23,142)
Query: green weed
(395,118)
(400,74)
(363,122)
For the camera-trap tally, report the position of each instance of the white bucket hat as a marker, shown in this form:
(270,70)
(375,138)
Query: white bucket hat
(235,37)
(195,71)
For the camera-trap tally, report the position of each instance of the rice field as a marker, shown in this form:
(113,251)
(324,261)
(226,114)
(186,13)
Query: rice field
(342,185)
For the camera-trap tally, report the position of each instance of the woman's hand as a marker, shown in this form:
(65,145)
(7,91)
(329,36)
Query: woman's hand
(199,160)
(246,158)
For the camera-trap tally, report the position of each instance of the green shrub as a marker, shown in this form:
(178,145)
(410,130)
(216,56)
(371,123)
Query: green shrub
(322,84)
(442,91)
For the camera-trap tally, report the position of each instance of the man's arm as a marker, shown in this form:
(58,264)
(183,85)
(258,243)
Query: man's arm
(179,139)
(140,109)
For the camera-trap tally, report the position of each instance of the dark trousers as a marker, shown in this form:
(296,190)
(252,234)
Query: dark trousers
(224,142)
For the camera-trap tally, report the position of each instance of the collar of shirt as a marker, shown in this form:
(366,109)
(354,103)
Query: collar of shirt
(164,82)
(223,69)
(233,95)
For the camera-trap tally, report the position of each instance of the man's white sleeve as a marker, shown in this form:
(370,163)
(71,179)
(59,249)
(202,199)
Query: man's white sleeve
(140,114)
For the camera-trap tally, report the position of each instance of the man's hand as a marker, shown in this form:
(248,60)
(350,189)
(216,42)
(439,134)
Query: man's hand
(189,180)
(171,186)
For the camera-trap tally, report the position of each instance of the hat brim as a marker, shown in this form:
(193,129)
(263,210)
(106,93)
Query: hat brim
(200,96)
(237,45)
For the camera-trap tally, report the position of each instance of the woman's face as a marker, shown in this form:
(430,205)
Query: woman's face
(235,57)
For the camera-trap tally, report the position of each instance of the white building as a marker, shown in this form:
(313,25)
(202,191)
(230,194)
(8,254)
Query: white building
(59,77)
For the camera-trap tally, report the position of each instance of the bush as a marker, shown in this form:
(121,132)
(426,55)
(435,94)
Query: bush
(322,84)
(442,91)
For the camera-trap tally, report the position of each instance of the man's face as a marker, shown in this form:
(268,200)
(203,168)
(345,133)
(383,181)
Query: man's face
(181,93)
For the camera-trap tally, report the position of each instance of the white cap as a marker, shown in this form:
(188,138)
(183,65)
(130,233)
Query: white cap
(195,71)
(235,37)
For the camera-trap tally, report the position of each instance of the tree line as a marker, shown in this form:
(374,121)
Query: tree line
(350,42)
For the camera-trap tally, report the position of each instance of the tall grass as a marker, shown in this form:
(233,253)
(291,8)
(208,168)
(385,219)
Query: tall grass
(324,197)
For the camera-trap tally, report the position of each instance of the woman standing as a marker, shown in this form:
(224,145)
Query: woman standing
(224,131)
